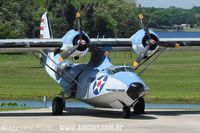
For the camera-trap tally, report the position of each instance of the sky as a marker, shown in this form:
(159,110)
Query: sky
(167,3)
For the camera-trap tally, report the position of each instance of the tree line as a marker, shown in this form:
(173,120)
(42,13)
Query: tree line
(168,17)
(108,18)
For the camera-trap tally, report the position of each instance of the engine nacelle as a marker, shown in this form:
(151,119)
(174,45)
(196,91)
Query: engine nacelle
(71,39)
(139,41)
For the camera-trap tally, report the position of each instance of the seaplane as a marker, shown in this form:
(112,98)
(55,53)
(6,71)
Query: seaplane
(97,82)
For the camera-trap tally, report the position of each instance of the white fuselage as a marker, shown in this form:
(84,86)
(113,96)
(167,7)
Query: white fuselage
(102,86)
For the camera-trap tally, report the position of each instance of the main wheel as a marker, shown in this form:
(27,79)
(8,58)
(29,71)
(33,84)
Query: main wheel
(57,106)
(139,106)
(126,112)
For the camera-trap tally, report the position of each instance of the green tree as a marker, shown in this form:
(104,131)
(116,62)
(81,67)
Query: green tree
(10,24)
(168,17)
(17,17)
(21,18)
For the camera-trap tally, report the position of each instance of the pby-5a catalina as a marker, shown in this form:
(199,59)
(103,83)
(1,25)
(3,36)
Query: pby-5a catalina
(97,82)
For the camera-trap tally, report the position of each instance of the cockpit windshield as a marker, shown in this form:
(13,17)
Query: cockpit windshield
(115,70)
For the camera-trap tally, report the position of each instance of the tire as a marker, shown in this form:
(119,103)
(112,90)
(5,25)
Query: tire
(139,106)
(126,112)
(57,106)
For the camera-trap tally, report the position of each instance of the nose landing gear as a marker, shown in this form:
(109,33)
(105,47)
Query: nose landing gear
(138,108)
(126,112)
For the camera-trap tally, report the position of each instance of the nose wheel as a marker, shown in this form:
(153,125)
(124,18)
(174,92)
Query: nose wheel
(139,106)
(58,105)
(126,112)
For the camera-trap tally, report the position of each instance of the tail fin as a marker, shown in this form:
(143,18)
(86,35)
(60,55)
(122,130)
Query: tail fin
(45,33)
(45,27)
(47,63)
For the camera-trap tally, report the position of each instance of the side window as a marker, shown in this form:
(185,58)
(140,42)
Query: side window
(119,69)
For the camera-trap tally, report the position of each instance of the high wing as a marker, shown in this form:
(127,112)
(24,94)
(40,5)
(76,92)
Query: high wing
(116,44)
(126,43)
(28,45)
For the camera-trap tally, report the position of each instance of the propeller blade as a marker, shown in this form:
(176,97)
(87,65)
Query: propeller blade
(140,57)
(141,17)
(78,16)
(69,51)
(144,27)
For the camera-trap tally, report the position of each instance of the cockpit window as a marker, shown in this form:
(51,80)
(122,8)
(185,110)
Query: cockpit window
(112,71)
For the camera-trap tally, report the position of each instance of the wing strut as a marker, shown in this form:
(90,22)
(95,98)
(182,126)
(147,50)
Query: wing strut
(150,63)
(58,67)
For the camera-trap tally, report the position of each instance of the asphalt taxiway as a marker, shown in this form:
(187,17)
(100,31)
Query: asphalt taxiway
(101,120)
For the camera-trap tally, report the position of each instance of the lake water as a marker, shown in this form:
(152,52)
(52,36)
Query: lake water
(178,34)
(40,104)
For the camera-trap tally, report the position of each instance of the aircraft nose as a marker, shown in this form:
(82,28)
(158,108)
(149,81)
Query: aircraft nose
(135,90)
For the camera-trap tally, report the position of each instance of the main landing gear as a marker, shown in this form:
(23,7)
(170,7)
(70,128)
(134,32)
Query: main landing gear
(58,105)
(138,108)
(126,112)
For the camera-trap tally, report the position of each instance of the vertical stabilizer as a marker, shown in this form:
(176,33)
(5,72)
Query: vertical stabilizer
(50,60)
(45,27)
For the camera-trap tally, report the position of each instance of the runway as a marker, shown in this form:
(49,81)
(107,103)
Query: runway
(101,120)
